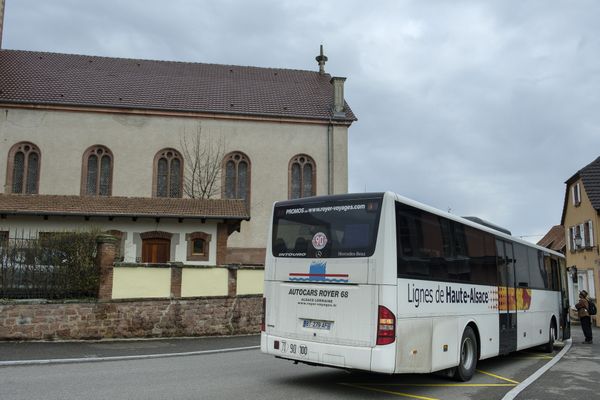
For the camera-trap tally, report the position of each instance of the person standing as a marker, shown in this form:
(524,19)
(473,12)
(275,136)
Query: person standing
(584,316)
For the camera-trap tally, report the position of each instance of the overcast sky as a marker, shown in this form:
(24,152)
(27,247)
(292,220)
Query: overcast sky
(479,107)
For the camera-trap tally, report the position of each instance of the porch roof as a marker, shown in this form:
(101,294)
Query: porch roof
(113,206)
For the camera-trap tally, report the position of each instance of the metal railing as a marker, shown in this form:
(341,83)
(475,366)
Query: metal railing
(53,266)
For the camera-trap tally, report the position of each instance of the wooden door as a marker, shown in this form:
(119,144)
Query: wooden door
(156,251)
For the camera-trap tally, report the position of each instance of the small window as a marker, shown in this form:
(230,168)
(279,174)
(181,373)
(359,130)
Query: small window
(588,235)
(571,238)
(23,168)
(576,194)
(198,246)
(168,174)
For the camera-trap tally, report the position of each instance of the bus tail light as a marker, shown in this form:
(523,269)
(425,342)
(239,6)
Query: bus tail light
(264,312)
(386,326)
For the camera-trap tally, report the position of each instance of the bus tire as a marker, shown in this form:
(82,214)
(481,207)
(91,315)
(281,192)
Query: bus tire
(549,347)
(468,356)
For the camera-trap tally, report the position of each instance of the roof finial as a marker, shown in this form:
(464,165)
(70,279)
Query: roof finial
(321,59)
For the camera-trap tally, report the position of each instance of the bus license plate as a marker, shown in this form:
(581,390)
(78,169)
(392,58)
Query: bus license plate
(316,324)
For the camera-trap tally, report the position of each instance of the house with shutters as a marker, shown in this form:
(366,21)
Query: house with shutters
(580,219)
(109,143)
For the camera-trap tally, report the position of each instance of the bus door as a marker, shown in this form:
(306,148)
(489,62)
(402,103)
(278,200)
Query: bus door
(565,324)
(507,301)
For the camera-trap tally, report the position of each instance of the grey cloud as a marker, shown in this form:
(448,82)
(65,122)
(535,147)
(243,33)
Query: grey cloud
(482,107)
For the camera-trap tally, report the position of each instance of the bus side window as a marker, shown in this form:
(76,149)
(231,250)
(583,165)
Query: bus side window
(521,265)
(409,242)
(553,274)
(547,272)
(536,279)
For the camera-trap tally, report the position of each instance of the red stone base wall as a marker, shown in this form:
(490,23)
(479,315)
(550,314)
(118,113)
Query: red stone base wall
(131,319)
(246,255)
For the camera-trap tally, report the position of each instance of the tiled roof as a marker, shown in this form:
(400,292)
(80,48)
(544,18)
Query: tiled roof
(16,204)
(590,175)
(554,239)
(89,81)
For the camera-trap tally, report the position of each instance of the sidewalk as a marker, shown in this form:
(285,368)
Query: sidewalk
(22,351)
(575,377)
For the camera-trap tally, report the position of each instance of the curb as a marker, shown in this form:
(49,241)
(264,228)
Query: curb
(514,392)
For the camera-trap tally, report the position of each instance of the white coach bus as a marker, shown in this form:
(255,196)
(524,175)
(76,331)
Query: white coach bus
(377,282)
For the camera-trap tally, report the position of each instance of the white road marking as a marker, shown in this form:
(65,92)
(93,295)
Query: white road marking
(120,358)
(523,385)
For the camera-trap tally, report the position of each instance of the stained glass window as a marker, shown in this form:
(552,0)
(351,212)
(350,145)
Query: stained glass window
(24,159)
(98,171)
(302,176)
(168,173)
(237,176)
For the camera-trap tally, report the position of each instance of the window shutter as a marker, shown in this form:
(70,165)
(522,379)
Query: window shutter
(591,233)
(591,286)
(572,238)
(582,235)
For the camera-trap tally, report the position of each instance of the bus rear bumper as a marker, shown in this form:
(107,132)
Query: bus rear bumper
(349,357)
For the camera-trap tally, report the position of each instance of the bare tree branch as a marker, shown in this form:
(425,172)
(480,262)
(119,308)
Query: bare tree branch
(202,156)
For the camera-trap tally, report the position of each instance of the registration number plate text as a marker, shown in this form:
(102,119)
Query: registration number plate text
(317,324)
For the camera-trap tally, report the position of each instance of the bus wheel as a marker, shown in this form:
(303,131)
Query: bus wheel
(468,356)
(549,347)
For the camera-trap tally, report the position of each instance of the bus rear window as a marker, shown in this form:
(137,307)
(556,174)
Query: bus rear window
(338,229)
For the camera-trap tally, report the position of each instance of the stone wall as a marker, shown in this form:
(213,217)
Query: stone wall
(169,315)
(131,319)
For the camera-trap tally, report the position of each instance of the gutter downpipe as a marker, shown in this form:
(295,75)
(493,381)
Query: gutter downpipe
(330,158)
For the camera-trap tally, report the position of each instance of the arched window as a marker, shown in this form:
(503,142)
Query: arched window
(302,172)
(96,171)
(236,176)
(23,175)
(168,174)
(198,244)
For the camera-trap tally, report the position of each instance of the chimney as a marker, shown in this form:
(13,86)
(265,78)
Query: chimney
(1,20)
(338,97)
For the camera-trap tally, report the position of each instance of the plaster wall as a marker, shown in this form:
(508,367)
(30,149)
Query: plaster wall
(585,258)
(141,282)
(204,282)
(250,281)
(134,140)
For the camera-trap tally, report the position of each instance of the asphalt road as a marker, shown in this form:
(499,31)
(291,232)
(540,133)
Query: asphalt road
(248,374)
